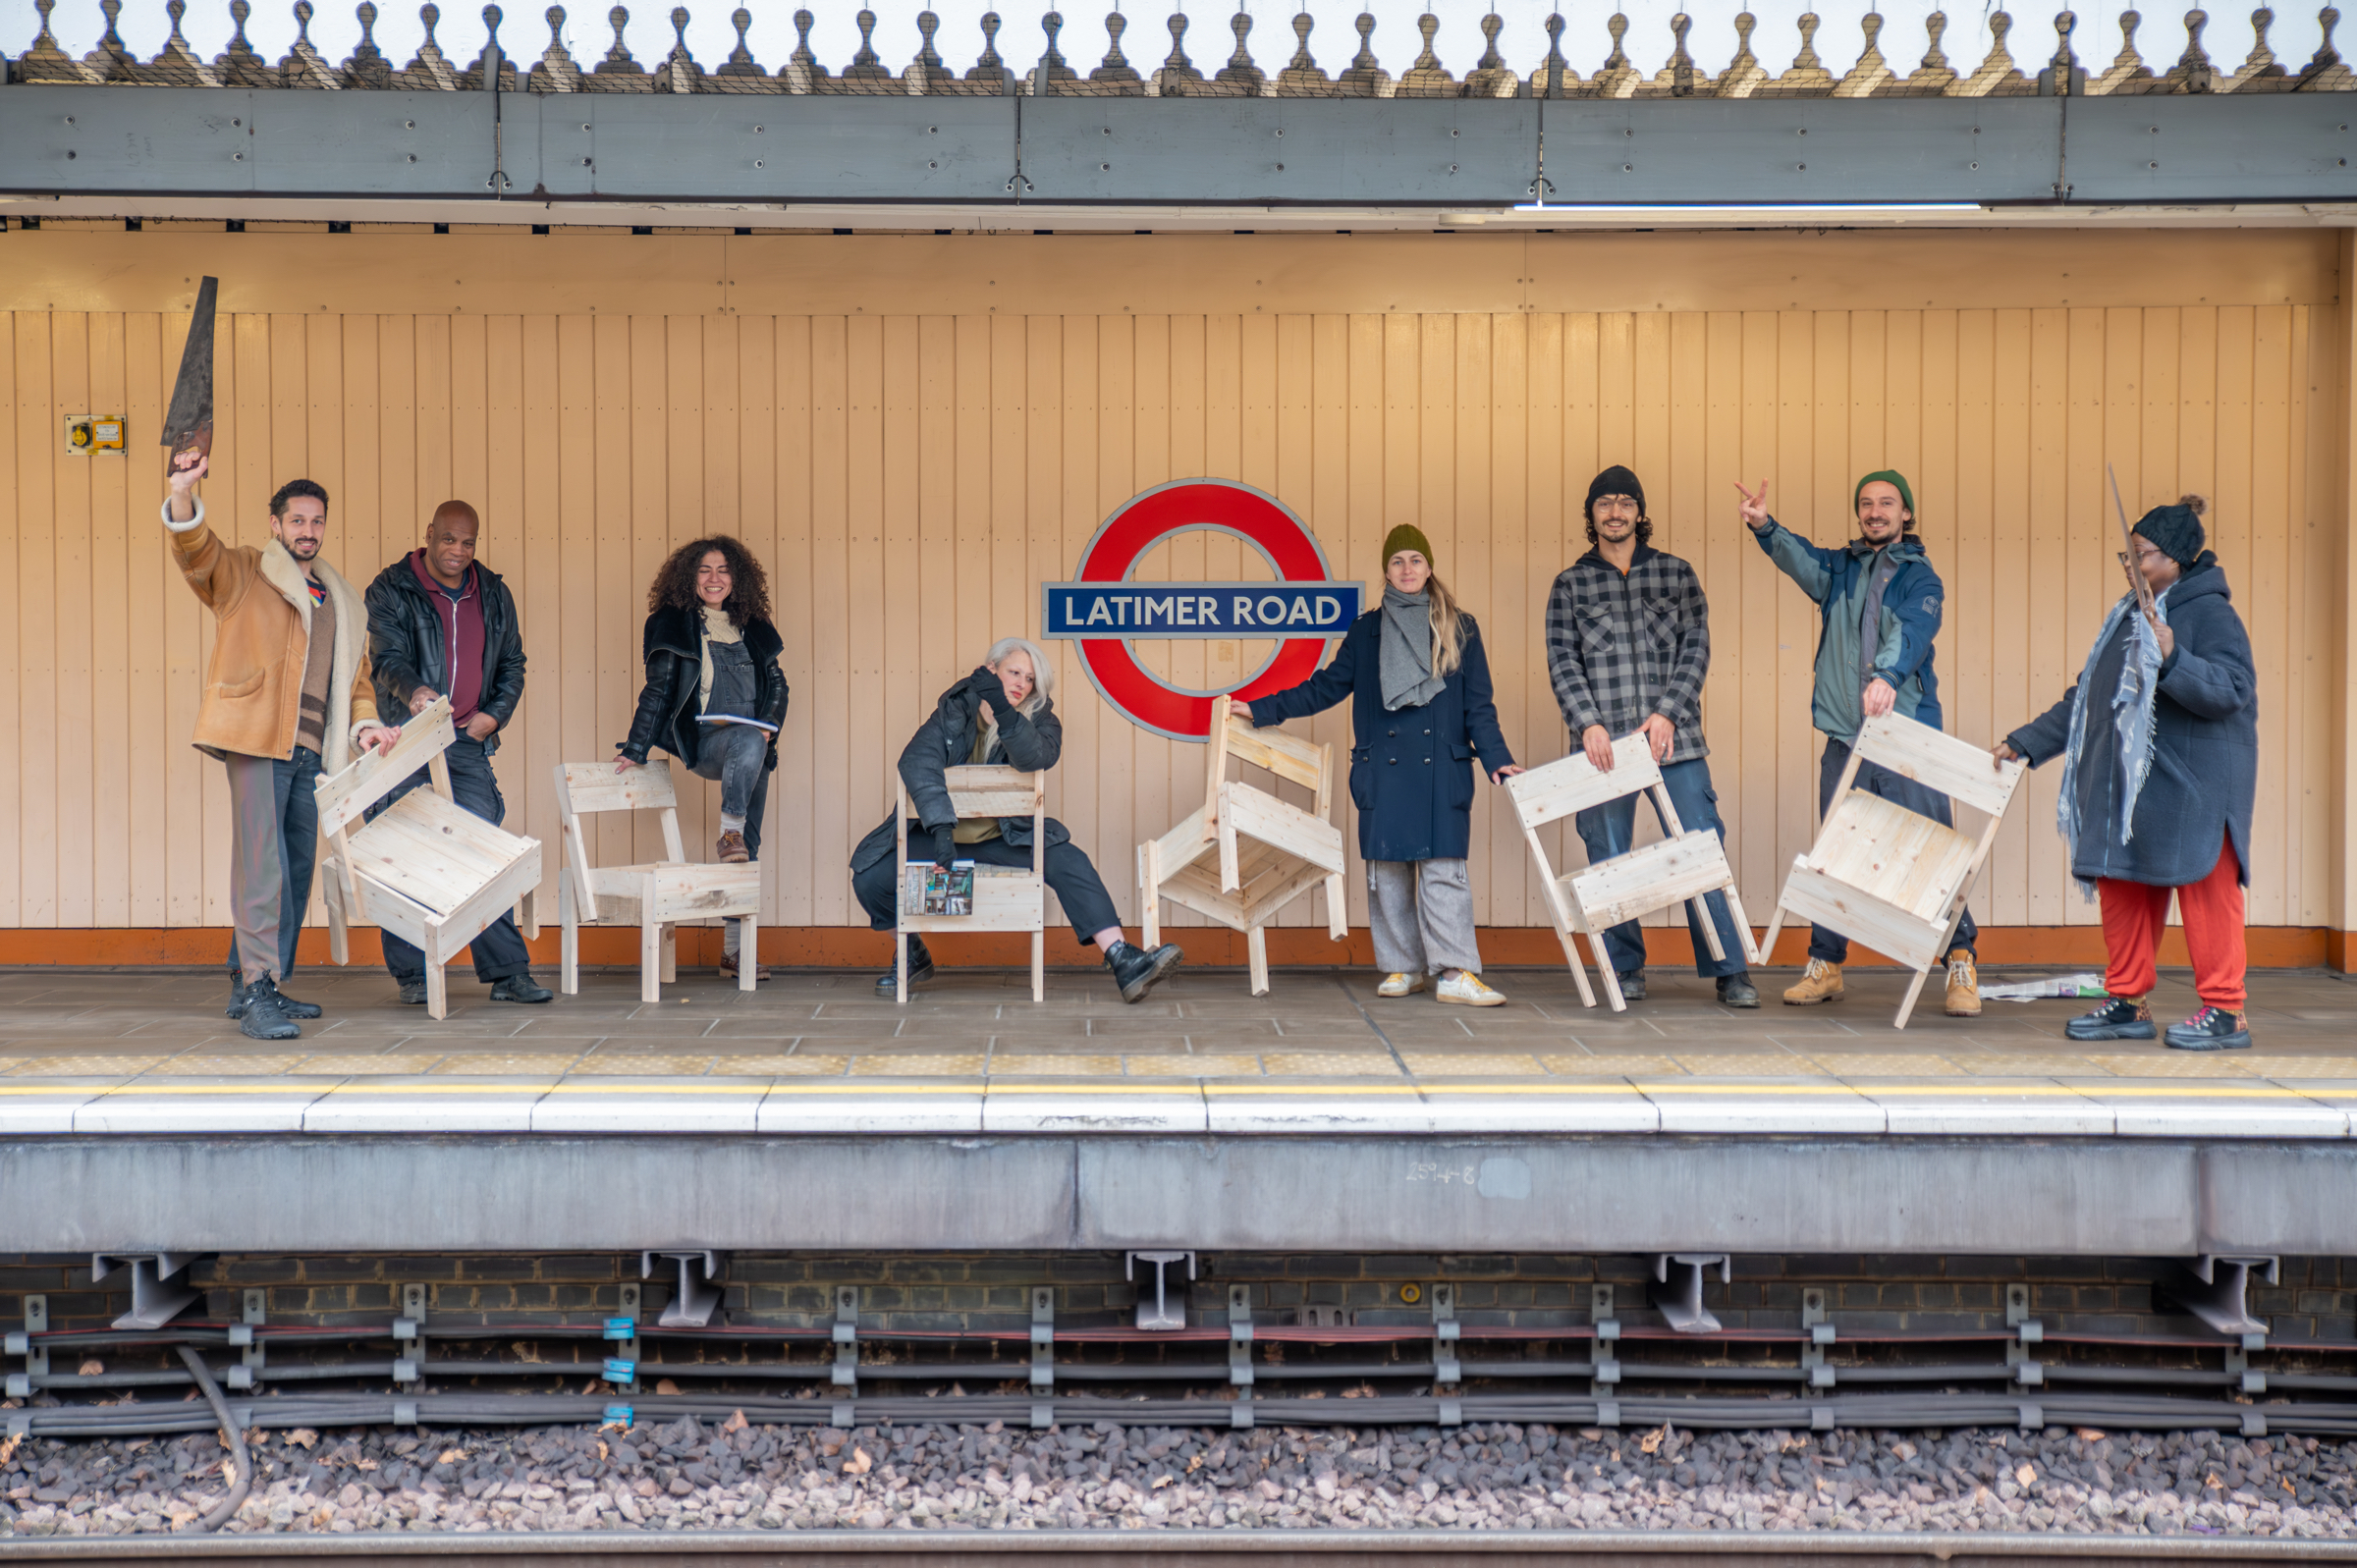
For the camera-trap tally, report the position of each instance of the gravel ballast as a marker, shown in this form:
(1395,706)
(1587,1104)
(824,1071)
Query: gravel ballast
(688,1476)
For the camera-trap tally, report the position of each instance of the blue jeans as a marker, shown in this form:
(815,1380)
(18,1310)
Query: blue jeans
(1611,830)
(499,951)
(1872,780)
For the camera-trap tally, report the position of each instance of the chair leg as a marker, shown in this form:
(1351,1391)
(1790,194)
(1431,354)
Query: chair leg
(569,943)
(1611,979)
(1338,910)
(1776,924)
(1710,929)
(671,954)
(650,959)
(749,951)
(1734,908)
(437,982)
(1149,893)
(1256,949)
(900,967)
(1915,990)
(1579,971)
(1039,966)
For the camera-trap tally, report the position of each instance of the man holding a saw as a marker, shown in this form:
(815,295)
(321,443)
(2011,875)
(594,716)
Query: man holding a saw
(287,693)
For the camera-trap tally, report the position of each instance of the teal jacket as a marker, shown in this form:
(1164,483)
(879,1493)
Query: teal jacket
(1912,601)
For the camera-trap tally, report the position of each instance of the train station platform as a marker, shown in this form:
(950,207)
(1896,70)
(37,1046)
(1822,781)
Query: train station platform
(810,1114)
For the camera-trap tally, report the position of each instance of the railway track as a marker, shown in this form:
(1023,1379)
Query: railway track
(1185,1550)
(1182,1550)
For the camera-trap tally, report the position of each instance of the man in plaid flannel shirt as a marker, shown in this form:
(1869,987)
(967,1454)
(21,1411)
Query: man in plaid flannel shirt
(1628,642)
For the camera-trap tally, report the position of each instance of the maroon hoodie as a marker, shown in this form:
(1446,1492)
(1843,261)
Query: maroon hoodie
(462,638)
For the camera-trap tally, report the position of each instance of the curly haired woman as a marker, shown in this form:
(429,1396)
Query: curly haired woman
(714,696)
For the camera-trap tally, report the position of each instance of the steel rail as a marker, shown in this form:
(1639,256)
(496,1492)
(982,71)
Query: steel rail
(969,1548)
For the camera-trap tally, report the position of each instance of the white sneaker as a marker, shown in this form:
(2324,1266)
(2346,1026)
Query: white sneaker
(1400,985)
(1465,986)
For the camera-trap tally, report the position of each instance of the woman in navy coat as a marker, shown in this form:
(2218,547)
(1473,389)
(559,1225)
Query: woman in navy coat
(1421,712)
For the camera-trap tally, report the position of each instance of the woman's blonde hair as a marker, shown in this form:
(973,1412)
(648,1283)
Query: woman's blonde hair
(1043,673)
(1448,628)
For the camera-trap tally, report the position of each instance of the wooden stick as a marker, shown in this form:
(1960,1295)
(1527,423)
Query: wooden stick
(2127,558)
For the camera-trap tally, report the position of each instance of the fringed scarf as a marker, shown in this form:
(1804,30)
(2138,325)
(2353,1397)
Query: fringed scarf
(2132,707)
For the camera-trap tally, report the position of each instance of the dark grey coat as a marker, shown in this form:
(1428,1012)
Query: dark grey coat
(1033,743)
(2205,773)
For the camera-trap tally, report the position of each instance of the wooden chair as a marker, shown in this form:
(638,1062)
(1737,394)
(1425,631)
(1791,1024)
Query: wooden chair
(1006,898)
(427,870)
(1892,877)
(654,897)
(1678,868)
(1269,852)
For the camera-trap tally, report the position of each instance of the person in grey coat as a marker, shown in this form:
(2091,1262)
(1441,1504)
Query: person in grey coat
(2160,741)
(1001,714)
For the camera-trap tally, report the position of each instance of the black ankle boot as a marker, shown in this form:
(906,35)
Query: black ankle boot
(920,970)
(1137,971)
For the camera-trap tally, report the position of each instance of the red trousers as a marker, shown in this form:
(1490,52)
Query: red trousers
(2135,914)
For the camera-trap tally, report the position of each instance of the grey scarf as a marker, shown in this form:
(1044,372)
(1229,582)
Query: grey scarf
(1405,659)
(2131,722)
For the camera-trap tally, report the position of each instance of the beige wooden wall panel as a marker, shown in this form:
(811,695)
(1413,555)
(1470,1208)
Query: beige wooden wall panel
(909,480)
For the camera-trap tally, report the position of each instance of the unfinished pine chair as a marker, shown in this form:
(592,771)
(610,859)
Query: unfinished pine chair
(426,869)
(1892,877)
(1678,868)
(1269,852)
(655,896)
(1006,898)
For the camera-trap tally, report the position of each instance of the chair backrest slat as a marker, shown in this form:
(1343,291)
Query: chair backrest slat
(345,796)
(1288,757)
(1545,794)
(982,789)
(1956,768)
(594,786)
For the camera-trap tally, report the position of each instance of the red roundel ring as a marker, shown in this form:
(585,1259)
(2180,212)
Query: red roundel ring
(1186,505)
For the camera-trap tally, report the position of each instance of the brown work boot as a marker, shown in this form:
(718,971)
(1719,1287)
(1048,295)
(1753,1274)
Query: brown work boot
(731,849)
(1963,985)
(1820,982)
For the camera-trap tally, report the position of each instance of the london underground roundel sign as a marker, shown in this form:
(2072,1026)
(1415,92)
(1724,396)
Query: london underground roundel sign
(1104,609)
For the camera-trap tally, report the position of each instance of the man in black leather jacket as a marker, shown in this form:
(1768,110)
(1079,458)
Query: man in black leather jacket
(442,624)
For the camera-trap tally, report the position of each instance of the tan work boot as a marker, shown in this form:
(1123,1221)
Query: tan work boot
(1964,986)
(1820,982)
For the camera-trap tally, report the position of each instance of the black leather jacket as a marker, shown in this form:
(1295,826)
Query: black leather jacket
(407,644)
(1035,744)
(674,649)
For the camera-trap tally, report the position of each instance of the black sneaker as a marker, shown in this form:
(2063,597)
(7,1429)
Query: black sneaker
(1736,991)
(412,993)
(2120,1018)
(264,1019)
(1138,971)
(285,1003)
(2211,1029)
(920,970)
(1632,984)
(520,988)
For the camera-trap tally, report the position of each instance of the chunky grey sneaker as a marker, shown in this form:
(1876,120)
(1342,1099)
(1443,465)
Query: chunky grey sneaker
(264,1019)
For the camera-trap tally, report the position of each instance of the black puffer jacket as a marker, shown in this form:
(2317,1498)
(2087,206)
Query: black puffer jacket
(1032,742)
(408,644)
(674,650)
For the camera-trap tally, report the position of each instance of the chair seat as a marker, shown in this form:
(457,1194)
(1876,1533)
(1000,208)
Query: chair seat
(432,853)
(1653,877)
(1899,856)
(684,890)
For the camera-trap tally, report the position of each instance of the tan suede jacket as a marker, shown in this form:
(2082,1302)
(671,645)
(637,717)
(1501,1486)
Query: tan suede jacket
(262,610)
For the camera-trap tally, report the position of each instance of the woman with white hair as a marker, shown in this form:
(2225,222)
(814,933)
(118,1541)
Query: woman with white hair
(999,714)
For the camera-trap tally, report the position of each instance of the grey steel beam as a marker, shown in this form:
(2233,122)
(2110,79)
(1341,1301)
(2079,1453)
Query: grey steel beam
(1398,152)
(2056,1197)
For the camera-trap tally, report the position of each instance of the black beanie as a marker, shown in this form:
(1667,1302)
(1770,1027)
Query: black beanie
(2177,530)
(1615,481)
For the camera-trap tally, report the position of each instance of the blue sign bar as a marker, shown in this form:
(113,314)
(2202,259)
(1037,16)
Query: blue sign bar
(620,1371)
(1123,610)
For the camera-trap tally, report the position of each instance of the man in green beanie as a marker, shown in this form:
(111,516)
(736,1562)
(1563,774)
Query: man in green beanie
(1881,603)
